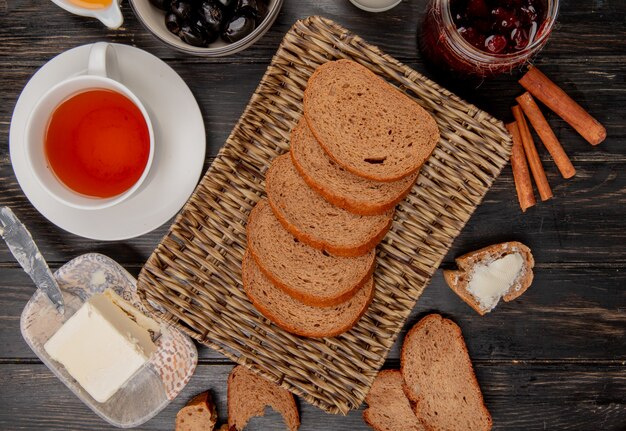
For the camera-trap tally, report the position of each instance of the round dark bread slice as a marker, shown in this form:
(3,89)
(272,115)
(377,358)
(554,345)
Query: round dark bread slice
(314,220)
(339,186)
(249,394)
(295,316)
(388,409)
(312,276)
(365,124)
(439,378)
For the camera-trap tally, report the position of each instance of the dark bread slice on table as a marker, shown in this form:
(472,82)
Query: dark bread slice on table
(198,415)
(339,186)
(311,276)
(458,280)
(365,124)
(249,394)
(439,377)
(296,317)
(388,409)
(315,221)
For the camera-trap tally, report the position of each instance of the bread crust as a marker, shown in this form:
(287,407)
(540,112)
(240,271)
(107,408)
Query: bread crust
(276,319)
(324,145)
(352,205)
(203,399)
(415,398)
(458,279)
(302,296)
(320,244)
(231,399)
(366,412)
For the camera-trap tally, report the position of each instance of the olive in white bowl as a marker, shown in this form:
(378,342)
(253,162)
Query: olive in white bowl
(212,28)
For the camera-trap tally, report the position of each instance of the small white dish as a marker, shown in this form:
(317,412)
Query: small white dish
(111,16)
(180,145)
(151,388)
(375,5)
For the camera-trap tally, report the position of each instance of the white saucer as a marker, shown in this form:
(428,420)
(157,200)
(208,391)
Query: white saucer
(179,153)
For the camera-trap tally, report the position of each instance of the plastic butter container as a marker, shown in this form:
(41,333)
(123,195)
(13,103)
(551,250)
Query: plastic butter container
(161,370)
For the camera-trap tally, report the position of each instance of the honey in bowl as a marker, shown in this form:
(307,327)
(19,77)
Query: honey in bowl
(97,143)
(92,4)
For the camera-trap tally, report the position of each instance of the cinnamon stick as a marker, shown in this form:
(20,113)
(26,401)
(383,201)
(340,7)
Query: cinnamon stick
(521,175)
(549,139)
(564,106)
(545,192)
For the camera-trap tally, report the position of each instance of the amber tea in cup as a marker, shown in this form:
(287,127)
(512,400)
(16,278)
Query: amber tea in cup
(92,4)
(97,143)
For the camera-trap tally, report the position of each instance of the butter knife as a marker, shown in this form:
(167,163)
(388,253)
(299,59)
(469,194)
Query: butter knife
(25,251)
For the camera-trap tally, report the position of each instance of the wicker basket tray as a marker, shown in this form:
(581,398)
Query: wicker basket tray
(193,279)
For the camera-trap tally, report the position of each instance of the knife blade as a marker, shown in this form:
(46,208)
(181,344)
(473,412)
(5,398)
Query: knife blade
(25,251)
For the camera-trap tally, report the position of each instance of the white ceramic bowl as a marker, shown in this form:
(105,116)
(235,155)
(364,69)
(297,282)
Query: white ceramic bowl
(154,20)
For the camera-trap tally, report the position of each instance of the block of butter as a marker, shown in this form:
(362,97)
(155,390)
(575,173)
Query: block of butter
(100,346)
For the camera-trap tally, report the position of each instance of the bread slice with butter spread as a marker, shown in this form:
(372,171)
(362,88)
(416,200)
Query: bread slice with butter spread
(499,271)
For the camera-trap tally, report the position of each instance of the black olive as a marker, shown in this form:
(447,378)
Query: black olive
(248,7)
(212,16)
(162,4)
(192,35)
(261,11)
(228,6)
(172,22)
(182,8)
(238,28)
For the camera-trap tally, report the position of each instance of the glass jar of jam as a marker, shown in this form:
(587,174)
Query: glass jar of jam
(484,38)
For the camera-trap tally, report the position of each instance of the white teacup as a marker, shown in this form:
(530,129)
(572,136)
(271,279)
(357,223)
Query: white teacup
(101,68)
(111,16)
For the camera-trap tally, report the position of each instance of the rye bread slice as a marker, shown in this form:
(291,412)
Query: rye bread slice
(295,316)
(459,280)
(309,275)
(365,124)
(198,415)
(439,377)
(249,394)
(388,409)
(315,221)
(339,186)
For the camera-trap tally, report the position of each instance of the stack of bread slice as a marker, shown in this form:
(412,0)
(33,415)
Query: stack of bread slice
(355,154)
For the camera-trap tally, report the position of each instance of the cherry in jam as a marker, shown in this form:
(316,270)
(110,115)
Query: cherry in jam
(499,26)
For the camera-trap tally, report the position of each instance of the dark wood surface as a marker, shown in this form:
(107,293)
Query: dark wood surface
(553,359)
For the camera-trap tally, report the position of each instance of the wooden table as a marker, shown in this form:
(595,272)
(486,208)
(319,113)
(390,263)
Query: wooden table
(553,359)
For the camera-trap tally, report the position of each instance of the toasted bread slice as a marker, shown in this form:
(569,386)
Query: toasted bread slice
(315,221)
(296,317)
(484,276)
(365,124)
(388,409)
(439,378)
(198,415)
(339,186)
(311,276)
(249,394)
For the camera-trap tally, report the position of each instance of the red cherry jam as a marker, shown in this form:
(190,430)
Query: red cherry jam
(498,26)
(484,38)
